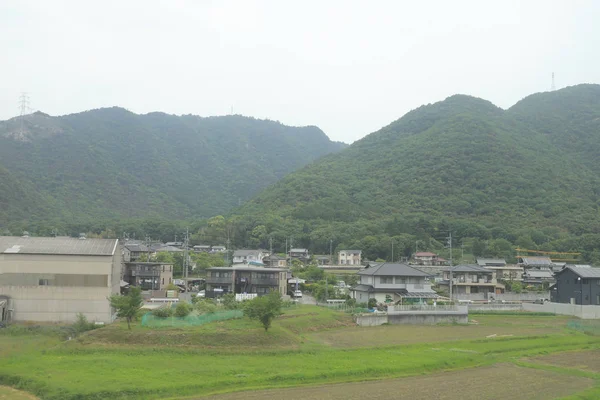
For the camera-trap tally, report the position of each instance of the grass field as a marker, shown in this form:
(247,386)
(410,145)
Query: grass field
(307,346)
(498,382)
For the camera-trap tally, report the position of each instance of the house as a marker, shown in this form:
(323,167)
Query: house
(218,249)
(245,279)
(246,256)
(577,285)
(322,259)
(148,275)
(301,254)
(538,278)
(52,279)
(428,259)
(392,283)
(275,261)
(133,251)
(539,263)
(468,279)
(174,244)
(199,248)
(350,257)
(504,271)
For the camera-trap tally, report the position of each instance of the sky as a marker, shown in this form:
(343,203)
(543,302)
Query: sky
(348,67)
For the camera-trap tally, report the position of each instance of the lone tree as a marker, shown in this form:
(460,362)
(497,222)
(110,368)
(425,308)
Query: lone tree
(264,309)
(127,306)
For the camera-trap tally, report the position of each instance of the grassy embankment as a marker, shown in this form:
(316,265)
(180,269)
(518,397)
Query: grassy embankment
(306,346)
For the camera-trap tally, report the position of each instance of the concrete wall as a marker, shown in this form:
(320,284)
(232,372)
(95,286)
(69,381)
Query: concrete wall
(584,312)
(495,307)
(414,318)
(502,296)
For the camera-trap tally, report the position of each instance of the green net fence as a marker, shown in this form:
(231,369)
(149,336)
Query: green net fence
(191,320)
(591,327)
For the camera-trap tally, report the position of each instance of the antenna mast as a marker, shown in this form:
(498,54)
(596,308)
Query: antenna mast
(553,87)
(24,109)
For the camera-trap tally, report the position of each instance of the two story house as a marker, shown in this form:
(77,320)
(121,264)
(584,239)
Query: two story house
(504,271)
(392,283)
(245,279)
(427,258)
(577,285)
(350,257)
(148,275)
(247,256)
(275,261)
(301,254)
(468,279)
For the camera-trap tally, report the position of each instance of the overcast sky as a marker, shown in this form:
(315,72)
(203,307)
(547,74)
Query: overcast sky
(349,67)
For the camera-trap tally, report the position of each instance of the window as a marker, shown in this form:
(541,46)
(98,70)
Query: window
(163,280)
(170,280)
(400,279)
(598,300)
(163,268)
(386,280)
(43,282)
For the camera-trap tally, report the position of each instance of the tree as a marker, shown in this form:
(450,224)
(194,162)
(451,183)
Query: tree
(127,306)
(182,309)
(264,309)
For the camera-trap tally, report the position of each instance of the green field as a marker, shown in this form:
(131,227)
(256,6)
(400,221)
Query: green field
(306,347)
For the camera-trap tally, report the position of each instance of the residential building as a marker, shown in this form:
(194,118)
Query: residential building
(504,271)
(577,285)
(468,279)
(275,261)
(199,248)
(246,256)
(148,275)
(245,279)
(350,257)
(301,254)
(132,251)
(218,249)
(428,259)
(52,279)
(538,278)
(322,259)
(392,283)
(174,244)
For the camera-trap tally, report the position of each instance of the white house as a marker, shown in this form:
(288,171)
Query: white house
(350,257)
(246,256)
(392,283)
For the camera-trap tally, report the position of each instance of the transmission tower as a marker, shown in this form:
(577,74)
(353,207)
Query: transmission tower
(553,87)
(24,109)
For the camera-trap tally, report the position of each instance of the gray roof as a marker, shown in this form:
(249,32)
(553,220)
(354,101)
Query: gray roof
(136,247)
(469,268)
(247,268)
(535,260)
(352,251)
(388,269)
(538,274)
(490,261)
(584,272)
(244,253)
(57,245)
(298,250)
(363,288)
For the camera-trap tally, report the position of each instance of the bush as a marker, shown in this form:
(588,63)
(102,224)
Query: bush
(163,312)
(82,324)
(372,303)
(351,302)
(183,309)
(230,303)
(206,306)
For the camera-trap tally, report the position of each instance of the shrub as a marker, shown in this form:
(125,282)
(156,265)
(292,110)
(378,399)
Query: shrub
(230,303)
(163,312)
(372,303)
(183,309)
(82,324)
(206,306)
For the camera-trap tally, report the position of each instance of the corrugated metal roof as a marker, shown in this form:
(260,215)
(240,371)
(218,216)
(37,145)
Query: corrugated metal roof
(585,272)
(57,245)
(386,269)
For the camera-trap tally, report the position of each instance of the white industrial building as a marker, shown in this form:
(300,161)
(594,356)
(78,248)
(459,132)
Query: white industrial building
(54,279)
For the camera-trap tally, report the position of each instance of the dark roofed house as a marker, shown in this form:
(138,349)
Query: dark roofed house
(491,262)
(247,256)
(467,279)
(392,283)
(577,285)
(275,261)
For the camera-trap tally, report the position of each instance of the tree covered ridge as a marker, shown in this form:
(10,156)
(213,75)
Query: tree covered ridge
(461,163)
(111,163)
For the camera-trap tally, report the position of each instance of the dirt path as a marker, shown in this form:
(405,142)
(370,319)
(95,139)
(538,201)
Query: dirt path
(498,382)
(8,393)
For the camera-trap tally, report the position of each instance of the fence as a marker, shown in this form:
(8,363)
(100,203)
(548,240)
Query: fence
(576,310)
(422,307)
(343,307)
(589,327)
(152,321)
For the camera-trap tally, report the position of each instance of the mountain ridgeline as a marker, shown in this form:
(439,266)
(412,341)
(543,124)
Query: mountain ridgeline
(111,163)
(461,163)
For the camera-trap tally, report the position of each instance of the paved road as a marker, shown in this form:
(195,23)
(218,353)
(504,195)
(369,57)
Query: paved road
(306,299)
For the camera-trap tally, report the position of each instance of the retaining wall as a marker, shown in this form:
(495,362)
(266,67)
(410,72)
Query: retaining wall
(583,312)
(495,307)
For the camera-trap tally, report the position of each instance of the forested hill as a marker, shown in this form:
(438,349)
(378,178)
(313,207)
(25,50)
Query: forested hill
(111,163)
(462,162)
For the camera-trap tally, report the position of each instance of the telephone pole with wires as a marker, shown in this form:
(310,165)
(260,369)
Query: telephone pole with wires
(449,242)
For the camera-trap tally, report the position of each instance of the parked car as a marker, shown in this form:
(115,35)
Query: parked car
(540,301)
(201,293)
(297,294)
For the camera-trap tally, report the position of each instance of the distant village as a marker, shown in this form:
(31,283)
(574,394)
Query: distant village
(54,278)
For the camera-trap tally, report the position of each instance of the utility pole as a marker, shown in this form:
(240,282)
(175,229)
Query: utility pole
(392,251)
(449,238)
(270,250)
(331,251)
(185,255)
(24,110)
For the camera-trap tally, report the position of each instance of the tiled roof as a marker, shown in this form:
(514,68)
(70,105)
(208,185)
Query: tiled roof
(468,268)
(388,269)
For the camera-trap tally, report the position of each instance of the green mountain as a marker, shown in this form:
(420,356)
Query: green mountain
(463,164)
(111,163)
